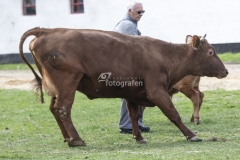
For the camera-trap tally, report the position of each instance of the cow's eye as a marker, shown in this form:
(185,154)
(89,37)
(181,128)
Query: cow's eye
(210,52)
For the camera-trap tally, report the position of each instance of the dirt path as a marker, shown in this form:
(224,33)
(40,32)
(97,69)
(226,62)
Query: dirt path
(21,80)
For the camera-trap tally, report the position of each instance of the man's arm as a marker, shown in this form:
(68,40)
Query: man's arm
(126,27)
(130,30)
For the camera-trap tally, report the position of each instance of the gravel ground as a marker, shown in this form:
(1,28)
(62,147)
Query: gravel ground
(15,79)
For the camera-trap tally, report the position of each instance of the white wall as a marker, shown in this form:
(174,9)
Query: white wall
(172,20)
(168,20)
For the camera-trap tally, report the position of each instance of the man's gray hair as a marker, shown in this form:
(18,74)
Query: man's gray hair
(131,4)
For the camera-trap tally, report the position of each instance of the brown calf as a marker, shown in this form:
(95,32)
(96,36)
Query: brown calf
(189,86)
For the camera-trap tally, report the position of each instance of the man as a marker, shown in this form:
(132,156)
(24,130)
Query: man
(128,25)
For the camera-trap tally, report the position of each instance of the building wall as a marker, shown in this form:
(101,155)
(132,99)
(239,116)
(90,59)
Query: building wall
(168,20)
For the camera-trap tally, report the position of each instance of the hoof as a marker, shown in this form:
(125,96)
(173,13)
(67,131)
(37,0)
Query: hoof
(197,122)
(142,141)
(191,120)
(72,143)
(76,143)
(195,139)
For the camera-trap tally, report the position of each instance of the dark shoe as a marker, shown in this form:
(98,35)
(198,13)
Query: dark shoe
(125,131)
(129,131)
(144,129)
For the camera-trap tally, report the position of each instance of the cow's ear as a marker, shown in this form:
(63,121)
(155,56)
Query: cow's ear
(195,42)
(188,39)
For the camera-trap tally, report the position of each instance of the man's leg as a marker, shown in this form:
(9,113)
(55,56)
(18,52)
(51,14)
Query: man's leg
(140,123)
(125,124)
(124,121)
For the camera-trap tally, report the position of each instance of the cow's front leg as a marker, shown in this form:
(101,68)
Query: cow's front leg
(194,96)
(200,97)
(163,101)
(196,108)
(133,111)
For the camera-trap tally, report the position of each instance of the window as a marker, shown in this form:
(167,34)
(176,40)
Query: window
(29,7)
(77,6)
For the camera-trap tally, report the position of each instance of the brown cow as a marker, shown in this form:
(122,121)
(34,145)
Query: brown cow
(189,86)
(83,60)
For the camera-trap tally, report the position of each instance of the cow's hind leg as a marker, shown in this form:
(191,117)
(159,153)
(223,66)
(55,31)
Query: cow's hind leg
(60,124)
(133,111)
(201,95)
(61,107)
(62,112)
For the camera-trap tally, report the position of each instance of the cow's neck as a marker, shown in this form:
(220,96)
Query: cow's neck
(179,62)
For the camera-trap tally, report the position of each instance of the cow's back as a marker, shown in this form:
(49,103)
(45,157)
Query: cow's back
(100,50)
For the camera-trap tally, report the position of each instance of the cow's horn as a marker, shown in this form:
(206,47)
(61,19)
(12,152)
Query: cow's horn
(203,38)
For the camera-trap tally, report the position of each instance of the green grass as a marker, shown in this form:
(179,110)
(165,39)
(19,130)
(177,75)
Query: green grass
(226,58)
(230,58)
(20,66)
(28,130)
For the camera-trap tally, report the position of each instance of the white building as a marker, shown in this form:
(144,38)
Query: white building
(168,20)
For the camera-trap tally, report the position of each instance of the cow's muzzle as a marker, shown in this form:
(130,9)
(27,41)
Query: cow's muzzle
(223,75)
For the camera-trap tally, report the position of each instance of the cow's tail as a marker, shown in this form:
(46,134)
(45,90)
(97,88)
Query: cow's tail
(37,80)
